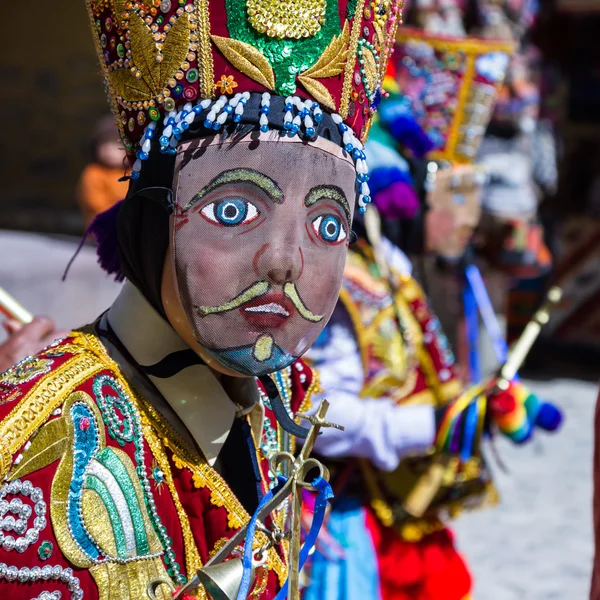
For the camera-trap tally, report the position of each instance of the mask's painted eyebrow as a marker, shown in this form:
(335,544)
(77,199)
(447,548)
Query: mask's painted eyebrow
(330,192)
(266,184)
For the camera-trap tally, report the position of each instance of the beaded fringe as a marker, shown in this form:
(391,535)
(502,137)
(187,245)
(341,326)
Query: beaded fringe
(300,119)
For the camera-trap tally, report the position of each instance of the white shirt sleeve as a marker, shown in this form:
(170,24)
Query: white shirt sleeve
(376,429)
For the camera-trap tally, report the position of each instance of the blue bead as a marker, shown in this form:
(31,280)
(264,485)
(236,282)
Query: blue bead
(356,154)
(176,131)
(149,134)
(237,118)
(367,199)
(310,131)
(348,147)
(143,155)
(208,124)
(171,151)
(171,121)
(135,175)
(318,117)
(287,125)
(264,110)
(315,105)
(197,109)
(343,127)
(228,109)
(216,126)
(264,128)
(362,210)
(164,140)
(184,114)
(184,125)
(288,107)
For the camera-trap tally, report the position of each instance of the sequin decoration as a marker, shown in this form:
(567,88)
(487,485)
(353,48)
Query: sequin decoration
(46,573)
(291,19)
(269,444)
(288,57)
(45,550)
(15,515)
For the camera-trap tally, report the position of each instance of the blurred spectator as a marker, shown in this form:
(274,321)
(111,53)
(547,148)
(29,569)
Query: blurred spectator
(25,340)
(99,185)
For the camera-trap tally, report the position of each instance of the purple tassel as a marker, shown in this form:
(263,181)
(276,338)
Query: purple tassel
(104,229)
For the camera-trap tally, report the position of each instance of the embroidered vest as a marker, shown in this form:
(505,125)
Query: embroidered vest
(100,494)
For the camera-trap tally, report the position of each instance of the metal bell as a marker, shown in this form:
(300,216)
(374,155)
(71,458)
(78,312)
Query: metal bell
(223,581)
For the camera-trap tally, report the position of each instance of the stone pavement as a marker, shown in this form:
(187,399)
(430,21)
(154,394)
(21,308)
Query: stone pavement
(537,545)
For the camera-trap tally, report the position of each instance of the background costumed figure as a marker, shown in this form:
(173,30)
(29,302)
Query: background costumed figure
(410,456)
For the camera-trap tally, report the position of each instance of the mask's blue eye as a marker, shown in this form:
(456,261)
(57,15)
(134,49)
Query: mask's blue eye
(330,229)
(230,212)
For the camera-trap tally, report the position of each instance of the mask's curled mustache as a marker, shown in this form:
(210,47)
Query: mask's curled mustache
(261,288)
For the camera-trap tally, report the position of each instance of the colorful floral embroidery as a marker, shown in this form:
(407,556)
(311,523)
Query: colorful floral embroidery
(226,84)
(26,370)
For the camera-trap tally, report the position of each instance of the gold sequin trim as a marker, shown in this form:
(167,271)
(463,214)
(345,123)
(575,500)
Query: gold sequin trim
(205,57)
(351,63)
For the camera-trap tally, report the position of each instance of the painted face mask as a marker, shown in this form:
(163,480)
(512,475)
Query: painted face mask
(259,237)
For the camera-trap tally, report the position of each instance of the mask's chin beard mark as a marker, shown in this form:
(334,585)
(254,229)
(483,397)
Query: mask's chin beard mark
(263,348)
(289,289)
(262,357)
(254,291)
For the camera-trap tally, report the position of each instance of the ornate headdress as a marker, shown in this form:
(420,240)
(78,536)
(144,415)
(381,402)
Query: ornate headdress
(453,85)
(168,63)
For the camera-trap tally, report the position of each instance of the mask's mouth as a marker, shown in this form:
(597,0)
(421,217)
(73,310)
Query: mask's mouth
(268,312)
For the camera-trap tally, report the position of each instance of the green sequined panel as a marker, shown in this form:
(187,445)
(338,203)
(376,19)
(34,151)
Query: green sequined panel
(287,57)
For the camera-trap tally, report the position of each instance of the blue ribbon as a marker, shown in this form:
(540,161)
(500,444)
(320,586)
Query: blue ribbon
(324,493)
(249,542)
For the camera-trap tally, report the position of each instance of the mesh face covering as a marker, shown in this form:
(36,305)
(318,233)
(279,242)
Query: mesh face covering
(259,236)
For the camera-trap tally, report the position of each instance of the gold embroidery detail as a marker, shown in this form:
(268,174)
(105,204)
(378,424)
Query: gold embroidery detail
(127,581)
(47,446)
(153,75)
(351,63)
(40,402)
(103,66)
(330,64)
(246,59)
